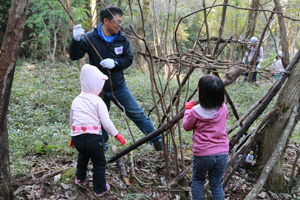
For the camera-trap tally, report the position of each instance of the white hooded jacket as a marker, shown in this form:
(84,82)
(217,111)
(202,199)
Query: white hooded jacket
(88,110)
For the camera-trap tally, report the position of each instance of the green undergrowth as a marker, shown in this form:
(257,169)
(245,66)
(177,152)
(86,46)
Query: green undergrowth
(41,97)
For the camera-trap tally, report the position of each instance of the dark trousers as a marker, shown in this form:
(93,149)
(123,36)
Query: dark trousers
(90,146)
(254,73)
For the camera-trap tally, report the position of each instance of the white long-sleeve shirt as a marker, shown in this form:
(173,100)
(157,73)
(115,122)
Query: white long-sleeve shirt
(250,53)
(88,111)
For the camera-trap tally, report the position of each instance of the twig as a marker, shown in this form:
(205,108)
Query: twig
(180,176)
(41,179)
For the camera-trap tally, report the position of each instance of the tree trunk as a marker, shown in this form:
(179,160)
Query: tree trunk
(8,57)
(251,20)
(94,13)
(119,3)
(278,152)
(141,31)
(285,102)
(283,36)
(69,6)
(221,29)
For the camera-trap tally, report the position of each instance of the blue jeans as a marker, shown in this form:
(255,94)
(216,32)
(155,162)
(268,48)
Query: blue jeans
(254,73)
(90,146)
(215,165)
(132,109)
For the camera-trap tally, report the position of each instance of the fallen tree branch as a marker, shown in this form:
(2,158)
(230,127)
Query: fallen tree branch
(180,176)
(122,167)
(17,182)
(38,180)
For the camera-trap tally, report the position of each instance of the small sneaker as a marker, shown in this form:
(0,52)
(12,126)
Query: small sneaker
(102,193)
(157,145)
(80,182)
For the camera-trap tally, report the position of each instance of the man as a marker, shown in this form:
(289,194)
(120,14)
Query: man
(114,48)
(250,53)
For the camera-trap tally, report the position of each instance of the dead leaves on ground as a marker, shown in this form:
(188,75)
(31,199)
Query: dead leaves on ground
(53,178)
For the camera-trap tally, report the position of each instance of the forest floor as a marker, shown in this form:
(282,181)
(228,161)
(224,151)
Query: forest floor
(53,178)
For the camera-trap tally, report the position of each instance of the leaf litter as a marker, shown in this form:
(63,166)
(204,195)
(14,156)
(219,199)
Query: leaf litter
(53,178)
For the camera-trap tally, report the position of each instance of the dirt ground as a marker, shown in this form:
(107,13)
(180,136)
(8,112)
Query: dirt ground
(53,178)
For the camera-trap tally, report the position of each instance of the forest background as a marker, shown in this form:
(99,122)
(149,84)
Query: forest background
(44,51)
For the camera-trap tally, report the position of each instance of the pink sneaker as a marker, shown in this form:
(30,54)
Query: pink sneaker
(80,182)
(102,193)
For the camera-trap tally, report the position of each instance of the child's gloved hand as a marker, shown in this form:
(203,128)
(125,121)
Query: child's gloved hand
(120,138)
(189,105)
(71,144)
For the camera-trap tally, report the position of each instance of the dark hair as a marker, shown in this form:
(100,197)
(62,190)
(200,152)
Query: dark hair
(109,11)
(211,92)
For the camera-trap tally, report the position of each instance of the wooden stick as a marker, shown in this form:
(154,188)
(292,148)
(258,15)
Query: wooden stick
(43,178)
(122,167)
(180,176)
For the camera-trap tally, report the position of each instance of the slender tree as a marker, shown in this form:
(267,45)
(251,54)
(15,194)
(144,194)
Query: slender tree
(8,57)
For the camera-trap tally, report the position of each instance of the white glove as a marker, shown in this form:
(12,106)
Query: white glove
(108,63)
(244,60)
(258,66)
(78,32)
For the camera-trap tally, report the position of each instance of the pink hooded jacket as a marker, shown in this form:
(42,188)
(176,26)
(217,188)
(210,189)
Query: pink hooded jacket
(88,110)
(209,134)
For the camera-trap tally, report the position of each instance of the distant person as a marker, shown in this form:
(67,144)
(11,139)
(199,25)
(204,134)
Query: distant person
(250,53)
(114,47)
(88,113)
(277,66)
(210,144)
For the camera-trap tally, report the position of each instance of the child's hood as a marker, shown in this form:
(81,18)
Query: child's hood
(92,79)
(217,117)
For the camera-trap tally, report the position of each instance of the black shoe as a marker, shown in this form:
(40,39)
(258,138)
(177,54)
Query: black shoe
(157,145)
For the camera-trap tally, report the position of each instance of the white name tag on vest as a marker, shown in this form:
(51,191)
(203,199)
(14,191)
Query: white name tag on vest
(119,50)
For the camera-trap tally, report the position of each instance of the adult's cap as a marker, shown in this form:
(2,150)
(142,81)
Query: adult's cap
(254,40)
(279,54)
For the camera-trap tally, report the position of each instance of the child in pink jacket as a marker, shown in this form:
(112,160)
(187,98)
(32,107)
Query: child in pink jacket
(210,143)
(88,113)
